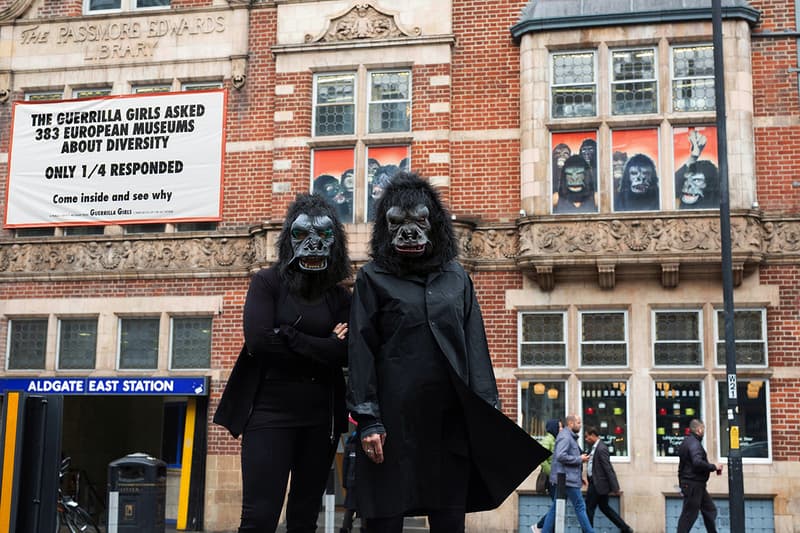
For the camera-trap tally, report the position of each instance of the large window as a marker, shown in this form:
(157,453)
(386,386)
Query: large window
(627,102)
(677,404)
(541,401)
(27,340)
(138,343)
(677,338)
(77,343)
(750,332)
(605,408)
(753,402)
(543,339)
(368,115)
(604,338)
(190,342)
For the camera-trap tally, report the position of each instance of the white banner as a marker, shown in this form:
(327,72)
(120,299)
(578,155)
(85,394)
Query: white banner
(117,160)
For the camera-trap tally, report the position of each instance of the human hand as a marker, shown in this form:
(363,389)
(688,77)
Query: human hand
(585,457)
(340,330)
(719,469)
(698,142)
(373,446)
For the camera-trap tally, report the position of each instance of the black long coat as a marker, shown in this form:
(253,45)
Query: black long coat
(399,328)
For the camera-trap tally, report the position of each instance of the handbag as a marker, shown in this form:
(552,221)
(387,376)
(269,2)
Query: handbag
(542,480)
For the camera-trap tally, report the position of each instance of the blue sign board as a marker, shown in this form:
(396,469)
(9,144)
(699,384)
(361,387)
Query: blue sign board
(108,386)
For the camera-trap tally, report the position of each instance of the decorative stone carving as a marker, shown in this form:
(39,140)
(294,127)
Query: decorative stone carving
(606,276)
(670,275)
(238,73)
(13,9)
(545,277)
(494,244)
(363,21)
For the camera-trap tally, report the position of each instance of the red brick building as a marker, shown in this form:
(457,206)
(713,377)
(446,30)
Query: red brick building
(601,292)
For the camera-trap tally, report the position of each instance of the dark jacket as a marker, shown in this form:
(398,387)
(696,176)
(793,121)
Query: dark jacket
(694,465)
(603,476)
(397,326)
(282,350)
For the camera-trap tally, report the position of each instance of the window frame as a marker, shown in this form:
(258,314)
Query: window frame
(627,433)
(172,319)
(124,5)
(120,320)
(702,415)
(9,334)
(564,336)
(673,78)
(316,105)
(625,340)
(612,83)
(764,339)
(724,434)
(700,337)
(369,101)
(59,320)
(546,382)
(554,85)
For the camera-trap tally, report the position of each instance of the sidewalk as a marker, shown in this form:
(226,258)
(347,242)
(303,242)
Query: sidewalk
(411,525)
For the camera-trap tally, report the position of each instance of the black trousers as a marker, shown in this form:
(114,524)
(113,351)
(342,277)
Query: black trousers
(696,500)
(444,521)
(595,500)
(268,456)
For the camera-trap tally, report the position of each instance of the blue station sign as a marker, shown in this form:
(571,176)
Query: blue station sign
(109,386)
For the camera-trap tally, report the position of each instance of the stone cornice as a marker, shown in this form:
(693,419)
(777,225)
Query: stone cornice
(669,245)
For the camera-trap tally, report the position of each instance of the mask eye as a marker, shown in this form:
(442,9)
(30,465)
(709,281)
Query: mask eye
(299,234)
(327,233)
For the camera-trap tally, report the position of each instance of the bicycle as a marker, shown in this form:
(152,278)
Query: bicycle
(71,516)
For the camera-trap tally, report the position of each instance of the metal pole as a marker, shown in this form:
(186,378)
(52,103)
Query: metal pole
(735,482)
(561,504)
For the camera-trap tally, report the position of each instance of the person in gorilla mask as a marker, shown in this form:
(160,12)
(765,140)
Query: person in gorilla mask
(422,387)
(285,394)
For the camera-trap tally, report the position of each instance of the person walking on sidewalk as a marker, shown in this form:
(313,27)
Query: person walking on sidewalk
(552,426)
(568,459)
(602,481)
(693,471)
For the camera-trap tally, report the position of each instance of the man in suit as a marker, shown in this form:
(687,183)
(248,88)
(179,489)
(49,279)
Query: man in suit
(602,481)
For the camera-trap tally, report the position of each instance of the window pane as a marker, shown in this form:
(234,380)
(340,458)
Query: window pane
(693,78)
(84,230)
(676,405)
(543,342)
(603,339)
(334,105)
(96,5)
(90,93)
(332,177)
(390,105)
(144,228)
(152,3)
(753,431)
(196,226)
(573,89)
(541,401)
(383,162)
(748,331)
(77,343)
(202,86)
(138,346)
(44,97)
(146,89)
(34,232)
(191,342)
(605,408)
(26,346)
(677,339)
(634,86)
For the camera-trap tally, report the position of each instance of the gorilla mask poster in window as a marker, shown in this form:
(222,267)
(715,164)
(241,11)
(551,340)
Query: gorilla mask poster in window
(696,167)
(574,172)
(634,167)
(333,178)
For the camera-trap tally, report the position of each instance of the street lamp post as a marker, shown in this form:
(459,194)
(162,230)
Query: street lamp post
(735,481)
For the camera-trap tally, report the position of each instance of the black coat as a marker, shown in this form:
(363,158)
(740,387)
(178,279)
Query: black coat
(603,476)
(414,340)
(694,465)
(284,352)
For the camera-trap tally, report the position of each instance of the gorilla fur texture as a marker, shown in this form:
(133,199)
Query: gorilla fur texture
(304,283)
(407,191)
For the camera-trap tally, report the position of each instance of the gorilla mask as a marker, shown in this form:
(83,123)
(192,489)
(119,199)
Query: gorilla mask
(410,229)
(312,238)
(413,233)
(312,247)
(641,178)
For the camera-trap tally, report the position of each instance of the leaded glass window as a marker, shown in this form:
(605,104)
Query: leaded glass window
(191,342)
(334,104)
(543,339)
(749,329)
(693,78)
(634,89)
(90,93)
(574,86)
(390,101)
(77,343)
(152,89)
(677,339)
(604,339)
(138,343)
(44,96)
(27,340)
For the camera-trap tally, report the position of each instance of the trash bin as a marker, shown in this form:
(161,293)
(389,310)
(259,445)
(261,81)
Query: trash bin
(137,492)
